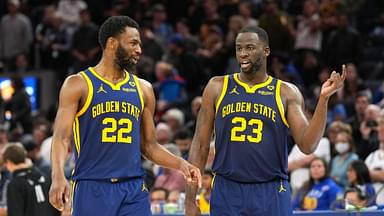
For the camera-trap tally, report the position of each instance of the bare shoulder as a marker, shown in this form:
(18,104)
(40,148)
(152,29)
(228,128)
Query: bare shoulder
(215,85)
(75,82)
(146,87)
(290,92)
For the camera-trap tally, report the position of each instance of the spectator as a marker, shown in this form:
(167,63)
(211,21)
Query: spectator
(85,46)
(28,190)
(345,156)
(33,153)
(16,34)
(369,130)
(175,119)
(183,140)
(171,179)
(361,103)
(375,164)
(19,106)
(320,192)
(298,163)
(358,177)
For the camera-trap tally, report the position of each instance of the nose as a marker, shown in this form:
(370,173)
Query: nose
(243,53)
(138,50)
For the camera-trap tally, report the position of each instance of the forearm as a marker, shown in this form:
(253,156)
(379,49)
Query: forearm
(59,154)
(197,156)
(161,156)
(315,129)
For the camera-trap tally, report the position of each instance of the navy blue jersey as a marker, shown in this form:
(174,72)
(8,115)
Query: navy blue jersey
(106,130)
(251,132)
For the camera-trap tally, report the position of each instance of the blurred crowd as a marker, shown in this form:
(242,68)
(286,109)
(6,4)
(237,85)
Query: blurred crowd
(185,43)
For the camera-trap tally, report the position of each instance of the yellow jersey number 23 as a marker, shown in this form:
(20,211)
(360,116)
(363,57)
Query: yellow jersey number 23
(112,133)
(239,126)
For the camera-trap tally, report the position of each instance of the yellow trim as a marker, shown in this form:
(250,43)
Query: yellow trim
(113,86)
(73,182)
(223,91)
(252,89)
(76,135)
(279,103)
(213,180)
(139,91)
(89,96)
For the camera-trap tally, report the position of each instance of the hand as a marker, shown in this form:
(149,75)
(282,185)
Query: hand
(191,173)
(59,193)
(334,83)
(67,209)
(191,209)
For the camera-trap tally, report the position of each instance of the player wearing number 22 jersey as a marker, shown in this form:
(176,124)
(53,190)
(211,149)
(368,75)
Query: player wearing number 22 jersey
(251,132)
(107,130)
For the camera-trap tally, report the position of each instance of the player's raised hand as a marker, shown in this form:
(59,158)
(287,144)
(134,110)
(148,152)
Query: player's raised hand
(191,173)
(334,82)
(59,193)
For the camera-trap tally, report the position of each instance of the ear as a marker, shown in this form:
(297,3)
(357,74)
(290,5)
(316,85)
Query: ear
(267,51)
(112,43)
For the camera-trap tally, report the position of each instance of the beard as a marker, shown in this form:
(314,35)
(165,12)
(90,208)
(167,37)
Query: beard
(255,66)
(122,59)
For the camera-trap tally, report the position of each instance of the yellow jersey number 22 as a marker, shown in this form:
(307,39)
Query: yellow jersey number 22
(112,134)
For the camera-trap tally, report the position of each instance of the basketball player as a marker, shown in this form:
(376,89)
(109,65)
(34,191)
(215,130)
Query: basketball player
(252,113)
(110,114)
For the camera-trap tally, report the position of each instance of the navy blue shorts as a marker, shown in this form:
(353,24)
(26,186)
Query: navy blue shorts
(101,198)
(230,198)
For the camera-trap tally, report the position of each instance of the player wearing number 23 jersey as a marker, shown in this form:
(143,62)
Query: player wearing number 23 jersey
(251,132)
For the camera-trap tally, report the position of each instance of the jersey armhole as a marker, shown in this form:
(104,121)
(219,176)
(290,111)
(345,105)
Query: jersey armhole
(89,95)
(223,91)
(279,103)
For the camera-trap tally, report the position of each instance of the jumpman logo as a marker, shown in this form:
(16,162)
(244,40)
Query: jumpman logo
(101,89)
(234,91)
(281,189)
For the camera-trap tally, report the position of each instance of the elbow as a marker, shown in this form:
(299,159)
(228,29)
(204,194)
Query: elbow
(307,148)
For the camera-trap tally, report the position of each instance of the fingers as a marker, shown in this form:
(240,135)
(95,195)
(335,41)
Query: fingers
(344,72)
(67,193)
(56,198)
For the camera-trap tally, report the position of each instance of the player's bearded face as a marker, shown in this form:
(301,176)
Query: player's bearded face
(123,59)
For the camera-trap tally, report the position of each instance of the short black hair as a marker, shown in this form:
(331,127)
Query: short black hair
(114,26)
(263,35)
(15,153)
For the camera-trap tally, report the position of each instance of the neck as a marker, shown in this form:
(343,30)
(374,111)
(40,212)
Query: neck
(16,167)
(109,70)
(253,78)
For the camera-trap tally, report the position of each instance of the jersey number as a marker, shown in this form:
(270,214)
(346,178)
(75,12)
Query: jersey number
(240,124)
(112,134)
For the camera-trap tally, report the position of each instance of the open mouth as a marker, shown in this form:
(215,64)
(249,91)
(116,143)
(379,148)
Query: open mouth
(245,64)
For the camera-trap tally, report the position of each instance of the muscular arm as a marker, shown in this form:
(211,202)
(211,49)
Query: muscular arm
(308,134)
(70,98)
(204,126)
(149,146)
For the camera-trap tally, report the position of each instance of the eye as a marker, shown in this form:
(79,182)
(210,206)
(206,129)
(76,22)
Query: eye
(250,48)
(238,49)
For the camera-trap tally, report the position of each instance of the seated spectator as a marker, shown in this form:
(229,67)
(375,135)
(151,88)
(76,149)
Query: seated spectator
(171,179)
(358,177)
(355,199)
(320,191)
(174,119)
(345,156)
(298,163)
(183,140)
